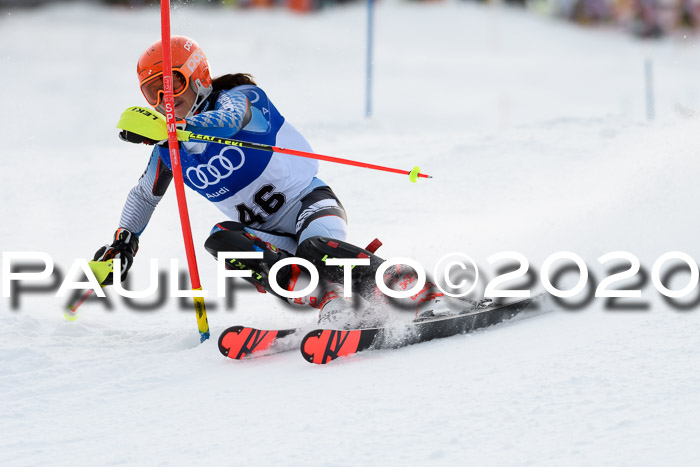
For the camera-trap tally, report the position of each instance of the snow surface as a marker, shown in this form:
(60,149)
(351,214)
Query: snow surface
(535,132)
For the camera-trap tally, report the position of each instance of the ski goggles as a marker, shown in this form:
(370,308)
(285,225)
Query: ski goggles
(152,87)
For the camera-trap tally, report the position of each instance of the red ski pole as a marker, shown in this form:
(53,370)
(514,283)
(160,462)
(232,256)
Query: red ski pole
(413,174)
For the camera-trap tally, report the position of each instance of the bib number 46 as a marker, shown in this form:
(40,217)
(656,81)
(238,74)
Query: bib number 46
(269,201)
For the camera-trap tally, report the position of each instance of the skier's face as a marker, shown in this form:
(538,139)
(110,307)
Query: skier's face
(183,104)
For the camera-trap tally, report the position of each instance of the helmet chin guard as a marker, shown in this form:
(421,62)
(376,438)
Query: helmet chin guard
(199,104)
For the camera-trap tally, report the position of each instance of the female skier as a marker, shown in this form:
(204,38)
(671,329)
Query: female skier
(274,203)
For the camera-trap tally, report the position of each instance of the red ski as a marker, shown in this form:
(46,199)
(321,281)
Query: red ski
(238,342)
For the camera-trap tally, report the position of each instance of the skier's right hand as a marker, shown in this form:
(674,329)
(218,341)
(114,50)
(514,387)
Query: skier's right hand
(124,246)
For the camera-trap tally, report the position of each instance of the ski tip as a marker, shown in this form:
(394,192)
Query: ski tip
(321,346)
(309,345)
(203,336)
(238,342)
(225,343)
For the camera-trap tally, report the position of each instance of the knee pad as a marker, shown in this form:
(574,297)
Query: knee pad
(331,226)
(397,277)
(231,236)
(317,249)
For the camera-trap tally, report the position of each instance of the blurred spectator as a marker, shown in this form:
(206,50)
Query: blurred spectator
(591,11)
(689,13)
(643,18)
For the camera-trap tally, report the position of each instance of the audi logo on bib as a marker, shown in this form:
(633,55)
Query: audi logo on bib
(216,169)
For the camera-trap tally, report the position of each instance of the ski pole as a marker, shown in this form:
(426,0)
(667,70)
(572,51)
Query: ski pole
(171,136)
(71,313)
(151,124)
(413,174)
(100,269)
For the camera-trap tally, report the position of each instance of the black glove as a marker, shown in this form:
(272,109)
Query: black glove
(132,137)
(124,246)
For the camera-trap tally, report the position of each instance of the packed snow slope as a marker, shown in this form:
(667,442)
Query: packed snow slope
(536,134)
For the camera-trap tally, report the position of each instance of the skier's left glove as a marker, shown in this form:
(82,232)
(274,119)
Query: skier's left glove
(132,137)
(124,246)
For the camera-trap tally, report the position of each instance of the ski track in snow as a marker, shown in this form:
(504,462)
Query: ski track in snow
(534,131)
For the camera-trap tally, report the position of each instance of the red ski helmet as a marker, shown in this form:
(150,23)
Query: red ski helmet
(190,69)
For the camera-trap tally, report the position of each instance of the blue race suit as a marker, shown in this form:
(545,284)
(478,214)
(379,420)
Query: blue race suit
(260,189)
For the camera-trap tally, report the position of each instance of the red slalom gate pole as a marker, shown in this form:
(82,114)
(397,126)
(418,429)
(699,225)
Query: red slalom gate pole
(169,101)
